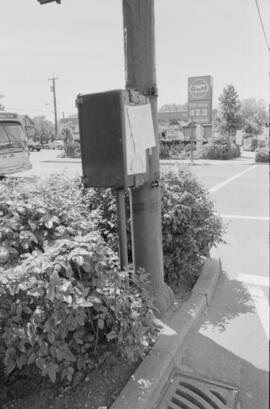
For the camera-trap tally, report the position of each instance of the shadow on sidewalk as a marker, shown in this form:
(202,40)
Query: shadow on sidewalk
(229,345)
(202,356)
(231,299)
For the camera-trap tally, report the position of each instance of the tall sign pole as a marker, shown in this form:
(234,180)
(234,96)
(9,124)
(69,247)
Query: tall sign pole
(139,43)
(200,92)
(191,140)
(54,104)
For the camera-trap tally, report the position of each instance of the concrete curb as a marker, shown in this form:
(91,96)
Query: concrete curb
(62,160)
(170,162)
(207,162)
(146,384)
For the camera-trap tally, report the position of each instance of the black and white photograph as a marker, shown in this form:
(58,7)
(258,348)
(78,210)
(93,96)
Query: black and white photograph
(134,204)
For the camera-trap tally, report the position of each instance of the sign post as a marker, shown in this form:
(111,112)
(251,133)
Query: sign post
(191,140)
(122,229)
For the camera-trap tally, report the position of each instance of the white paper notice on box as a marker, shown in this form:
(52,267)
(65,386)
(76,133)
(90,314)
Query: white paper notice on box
(140,135)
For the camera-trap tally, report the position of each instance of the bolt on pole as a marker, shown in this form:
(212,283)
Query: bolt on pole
(54,104)
(139,47)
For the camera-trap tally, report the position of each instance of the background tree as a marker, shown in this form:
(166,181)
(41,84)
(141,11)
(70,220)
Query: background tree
(44,129)
(2,108)
(253,115)
(71,147)
(67,137)
(229,110)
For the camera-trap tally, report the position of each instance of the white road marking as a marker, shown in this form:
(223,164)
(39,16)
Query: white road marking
(238,175)
(232,216)
(253,279)
(262,307)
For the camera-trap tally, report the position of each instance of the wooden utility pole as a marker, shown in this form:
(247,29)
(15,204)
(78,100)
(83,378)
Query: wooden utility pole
(139,43)
(54,104)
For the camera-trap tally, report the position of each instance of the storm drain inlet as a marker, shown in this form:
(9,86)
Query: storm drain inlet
(186,392)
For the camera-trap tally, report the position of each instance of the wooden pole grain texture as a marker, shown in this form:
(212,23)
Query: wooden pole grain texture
(139,46)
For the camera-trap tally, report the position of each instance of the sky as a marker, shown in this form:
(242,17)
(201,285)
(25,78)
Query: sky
(81,43)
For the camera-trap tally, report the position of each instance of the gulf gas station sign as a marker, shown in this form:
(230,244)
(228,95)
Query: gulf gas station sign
(200,92)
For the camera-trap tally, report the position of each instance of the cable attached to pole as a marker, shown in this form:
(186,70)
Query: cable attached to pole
(260,17)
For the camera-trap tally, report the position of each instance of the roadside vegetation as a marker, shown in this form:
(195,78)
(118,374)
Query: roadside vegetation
(72,148)
(262,155)
(65,305)
(176,150)
(248,115)
(221,148)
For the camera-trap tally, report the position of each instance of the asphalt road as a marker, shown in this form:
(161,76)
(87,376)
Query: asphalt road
(46,162)
(232,343)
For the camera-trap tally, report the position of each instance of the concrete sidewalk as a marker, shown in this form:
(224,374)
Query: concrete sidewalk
(246,158)
(172,162)
(214,335)
(230,346)
(145,386)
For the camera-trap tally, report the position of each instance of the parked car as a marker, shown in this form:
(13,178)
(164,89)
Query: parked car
(34,146)
(57,144)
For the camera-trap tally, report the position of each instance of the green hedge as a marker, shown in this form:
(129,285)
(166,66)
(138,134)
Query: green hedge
(172,149)
(221,148)
(63,299)
(262,155)
(190,226)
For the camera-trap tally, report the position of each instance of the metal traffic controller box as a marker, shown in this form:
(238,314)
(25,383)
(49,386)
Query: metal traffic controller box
(116,130)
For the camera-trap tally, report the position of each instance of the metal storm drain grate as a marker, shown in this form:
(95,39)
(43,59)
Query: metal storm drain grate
(186,392)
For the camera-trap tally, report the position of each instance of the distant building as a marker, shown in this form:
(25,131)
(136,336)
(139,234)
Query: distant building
(164,118)
(167,120)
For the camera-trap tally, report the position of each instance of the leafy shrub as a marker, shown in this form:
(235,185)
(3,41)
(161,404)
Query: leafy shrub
(190,226)
(262,144)
(60,309)
(254,144)
(66,301)
(40,210)
(262,155)
(190,147)
(63,299)
(172,149)
(220,148)
(72,149)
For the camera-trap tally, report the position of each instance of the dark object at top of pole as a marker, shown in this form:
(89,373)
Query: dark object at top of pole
(49,1)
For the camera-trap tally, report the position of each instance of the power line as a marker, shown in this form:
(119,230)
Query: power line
(259,13)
